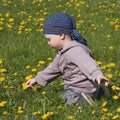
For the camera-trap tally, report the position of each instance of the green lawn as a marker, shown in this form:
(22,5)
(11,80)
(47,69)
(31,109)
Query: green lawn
(24,52)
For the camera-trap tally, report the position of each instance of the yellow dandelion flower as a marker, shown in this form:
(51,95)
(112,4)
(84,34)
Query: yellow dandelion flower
(15,5)
(104,109)
(43,93)
(113,87)
(94,111)
(5,87)
(111,23)
(103,118)
(83,31)
(5,113)
(9,26)
(28,77)
(15,74)
(70,117)
(20,110)
(44,116)
(5,4)
(24,85)
(22,0)
(108,36)
(50,113)
(103,67)
(93,25)
(2,19)
(28,29)
(36,88)
(116,20)
(113,5)
(2,70)
(21,28)
(118,109)
(41,62)
(2,79)
(109,114)
(117,27)
(11,87)
(41,19)
(3,103)
(117,88)
(111,47)
(19,32)
(82,21)
(78,16)
(11,20)
(39,30)
(38,65)
(34,70)
(45,13)
(7,14)
(28,66)
(115,97)
(112,64)
(115,117)
(92,14)
(62,83)
(106,19)
(109,75)
(104,104)
(1,28)
(49,59)
(39,6)
(99,62)
(36,113)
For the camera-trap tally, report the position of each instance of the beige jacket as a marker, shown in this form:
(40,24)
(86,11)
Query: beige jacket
(77,67)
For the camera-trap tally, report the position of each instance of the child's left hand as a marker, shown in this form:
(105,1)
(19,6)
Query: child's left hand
(102,78)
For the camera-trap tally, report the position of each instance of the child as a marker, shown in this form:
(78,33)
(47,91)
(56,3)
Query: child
(74,61)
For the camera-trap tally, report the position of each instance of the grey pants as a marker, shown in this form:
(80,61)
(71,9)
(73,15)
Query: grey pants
(73,97)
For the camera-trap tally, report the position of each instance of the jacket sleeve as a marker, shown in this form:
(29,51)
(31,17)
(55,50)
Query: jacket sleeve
(86,63)
(49,73)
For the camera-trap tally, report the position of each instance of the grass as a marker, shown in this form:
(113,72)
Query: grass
(24,52)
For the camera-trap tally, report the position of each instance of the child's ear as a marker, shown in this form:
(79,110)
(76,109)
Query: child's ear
(62,36)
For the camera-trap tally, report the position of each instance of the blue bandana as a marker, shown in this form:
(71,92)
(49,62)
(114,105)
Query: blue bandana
(59,23)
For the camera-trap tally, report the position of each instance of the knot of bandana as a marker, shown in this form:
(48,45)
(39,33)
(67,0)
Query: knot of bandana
(78,37)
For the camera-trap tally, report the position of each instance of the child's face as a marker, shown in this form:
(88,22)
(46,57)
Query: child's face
(54,41)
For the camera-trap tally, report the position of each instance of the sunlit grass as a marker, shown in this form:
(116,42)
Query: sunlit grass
(24,52)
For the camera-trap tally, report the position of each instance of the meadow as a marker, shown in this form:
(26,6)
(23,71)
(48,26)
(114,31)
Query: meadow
(24,52)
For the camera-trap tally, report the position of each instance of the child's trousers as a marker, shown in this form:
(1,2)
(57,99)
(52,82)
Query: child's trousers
(74,97)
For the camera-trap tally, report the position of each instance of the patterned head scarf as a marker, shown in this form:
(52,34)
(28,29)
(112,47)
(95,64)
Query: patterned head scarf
(60,23)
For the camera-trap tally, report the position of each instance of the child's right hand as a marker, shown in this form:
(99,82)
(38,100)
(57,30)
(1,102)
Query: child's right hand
(31,82)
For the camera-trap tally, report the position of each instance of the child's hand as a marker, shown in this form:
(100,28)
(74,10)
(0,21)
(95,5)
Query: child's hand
(31,82)
(102,78)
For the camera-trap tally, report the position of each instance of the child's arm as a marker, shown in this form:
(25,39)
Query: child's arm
(50,73)
(88,66)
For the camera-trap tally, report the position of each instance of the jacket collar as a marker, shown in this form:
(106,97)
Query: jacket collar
(71,45)
(75,44)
